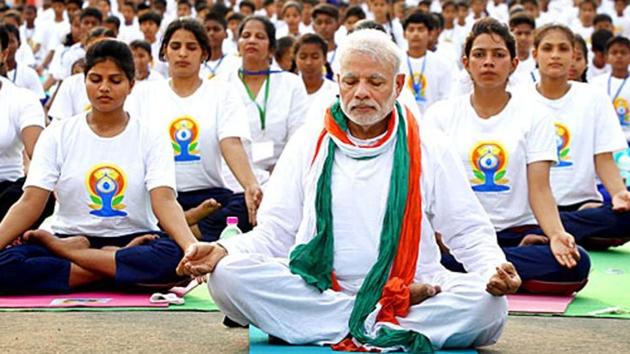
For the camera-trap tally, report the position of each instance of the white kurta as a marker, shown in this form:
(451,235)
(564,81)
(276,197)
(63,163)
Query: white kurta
(299,313)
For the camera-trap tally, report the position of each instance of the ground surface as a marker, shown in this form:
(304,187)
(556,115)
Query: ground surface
(199,332)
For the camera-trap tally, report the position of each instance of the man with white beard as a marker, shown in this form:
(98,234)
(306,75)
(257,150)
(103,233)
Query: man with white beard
(344,253)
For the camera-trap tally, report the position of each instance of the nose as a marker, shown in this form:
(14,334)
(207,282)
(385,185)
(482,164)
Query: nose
(488,60)
(362,91)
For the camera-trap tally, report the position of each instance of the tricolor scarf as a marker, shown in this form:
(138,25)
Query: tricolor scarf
(388,280)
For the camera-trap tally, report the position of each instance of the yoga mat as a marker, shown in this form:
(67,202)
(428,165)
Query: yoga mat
(608,287)
(258,344)
(84,299)
(197,300)
(526,303)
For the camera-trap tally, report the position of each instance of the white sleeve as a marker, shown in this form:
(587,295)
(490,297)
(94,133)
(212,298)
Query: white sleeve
(280,213)
(299,107)
(61,107)
(33,83)
(45,167)
(456,213)
(609,136)
(31,112)
(158,160)
(55,67)
(541,140)
(231,118)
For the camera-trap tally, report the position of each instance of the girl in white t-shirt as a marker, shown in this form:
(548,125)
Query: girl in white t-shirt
(507,149)
(587,133)
(114,181)
(310,60)
(203,121)
(275,101)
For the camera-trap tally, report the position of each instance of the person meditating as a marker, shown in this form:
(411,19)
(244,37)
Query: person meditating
(344,252)
(114,179)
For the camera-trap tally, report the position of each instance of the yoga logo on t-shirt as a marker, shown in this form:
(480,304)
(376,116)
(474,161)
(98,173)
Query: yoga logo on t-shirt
(563,140)
(489,164)
(417,84)
(184,133)
(621,107)
(106,185)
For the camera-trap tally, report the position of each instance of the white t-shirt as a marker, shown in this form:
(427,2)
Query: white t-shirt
(194,126)
(285,111)
(430,75)
(619,92)
(223,66)
(20,109)
(26,77)
(71,98)
(101,184)
(496,151)
(66,56)
(586,125)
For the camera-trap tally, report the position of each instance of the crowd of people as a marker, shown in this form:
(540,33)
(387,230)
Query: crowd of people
(397,167)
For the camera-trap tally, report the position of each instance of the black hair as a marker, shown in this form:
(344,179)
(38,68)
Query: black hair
(580,44)
(491,26)
(620,40)
(60,1)
(355,11)
(91,12)
(522,18)
(267,3)
(438,20)
(150,16)
(602,18)
(30,7)
(143,6)
(79,3)
(12,30)
(533,2)
(100,32)
(114,21)
(184,2)
(270,29)
(311,38)
(326,9)
(160,2)
(247,3)
(131,4)
(368,24)
(599,39)
(235,16)
(211,16)
(141,44)
(191,25)
(592,2)
(419,17)
(219,8)
(4,38)
(200,6)
(283,45)
(447,3)
(115,51)
(107,1)
(544,30)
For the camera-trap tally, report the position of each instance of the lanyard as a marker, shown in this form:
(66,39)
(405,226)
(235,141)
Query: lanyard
(531,73)
(332,59)
(620,87)
(417,84)
(262,111)
(216,67)
(15,72)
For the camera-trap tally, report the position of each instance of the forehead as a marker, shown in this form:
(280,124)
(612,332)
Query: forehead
(489,41)
(362,65)
(106,67)
(555,36)
(183,35)
(254,26)
(619,47)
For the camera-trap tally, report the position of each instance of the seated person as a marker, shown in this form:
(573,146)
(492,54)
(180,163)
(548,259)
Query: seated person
(349,214)
(507,149)
(114,179)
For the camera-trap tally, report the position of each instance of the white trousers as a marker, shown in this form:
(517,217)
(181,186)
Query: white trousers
(262,291)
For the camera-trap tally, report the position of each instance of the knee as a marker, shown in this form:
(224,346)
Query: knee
(583,266)
(224,278)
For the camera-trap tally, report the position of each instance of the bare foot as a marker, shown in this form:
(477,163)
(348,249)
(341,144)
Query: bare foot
(420,292)
(533,239)
(57,245)
(196,214)
(141,240)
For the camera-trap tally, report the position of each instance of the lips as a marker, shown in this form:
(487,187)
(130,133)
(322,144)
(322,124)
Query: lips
(182,63)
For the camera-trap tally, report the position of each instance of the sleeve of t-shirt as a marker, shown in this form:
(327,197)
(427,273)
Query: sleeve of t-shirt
(299,106)
(231,119)
(609,136)
(158,160)
(541,140)
(34,84)
(31,112)
(45,167)
(62,105)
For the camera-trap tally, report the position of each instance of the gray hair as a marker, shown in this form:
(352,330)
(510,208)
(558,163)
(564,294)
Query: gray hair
(373,43)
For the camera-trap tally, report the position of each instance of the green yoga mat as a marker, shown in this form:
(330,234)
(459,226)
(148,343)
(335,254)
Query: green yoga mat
(259,344)
(197,300)
(608,285)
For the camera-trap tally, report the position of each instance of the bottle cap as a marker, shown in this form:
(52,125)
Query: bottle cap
(232,220)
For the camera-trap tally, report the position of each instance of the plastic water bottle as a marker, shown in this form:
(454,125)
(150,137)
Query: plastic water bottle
(231,229)
(622,160)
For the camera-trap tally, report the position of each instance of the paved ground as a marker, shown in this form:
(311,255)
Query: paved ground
(197,332)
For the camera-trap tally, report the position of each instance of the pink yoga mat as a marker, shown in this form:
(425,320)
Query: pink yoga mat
(90,299)
(538,303)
